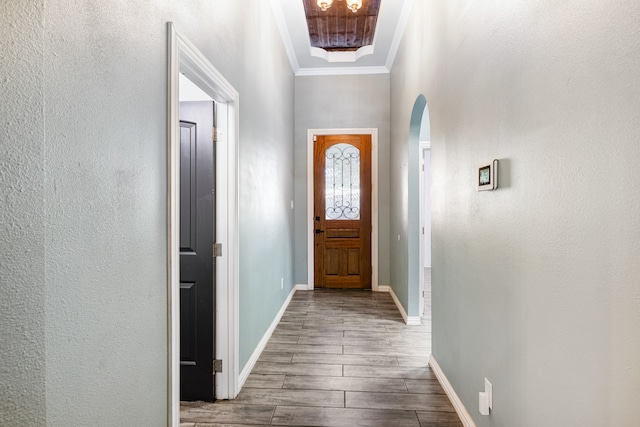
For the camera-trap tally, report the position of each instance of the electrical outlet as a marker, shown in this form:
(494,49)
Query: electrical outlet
(483,403)
(488,388)
(485,398)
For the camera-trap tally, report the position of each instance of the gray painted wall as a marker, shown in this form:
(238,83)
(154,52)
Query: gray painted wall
(266,175)
(535,285)
(405,202)
(327,102)
(22,270)
(83,179)
(426,209)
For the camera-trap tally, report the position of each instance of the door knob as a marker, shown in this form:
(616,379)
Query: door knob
(319,231)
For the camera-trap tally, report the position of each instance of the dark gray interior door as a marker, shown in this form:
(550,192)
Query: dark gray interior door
(197,267)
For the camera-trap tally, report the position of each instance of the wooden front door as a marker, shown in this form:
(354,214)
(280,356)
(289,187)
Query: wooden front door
(197,275)
(342,211)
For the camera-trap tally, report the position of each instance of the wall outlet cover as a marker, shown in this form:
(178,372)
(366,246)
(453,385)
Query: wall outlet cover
(483,403)
(488,388)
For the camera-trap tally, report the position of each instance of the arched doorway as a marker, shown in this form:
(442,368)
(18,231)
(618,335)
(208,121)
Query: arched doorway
(419,221)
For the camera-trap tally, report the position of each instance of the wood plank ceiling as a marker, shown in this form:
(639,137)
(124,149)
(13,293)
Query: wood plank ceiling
(338,28)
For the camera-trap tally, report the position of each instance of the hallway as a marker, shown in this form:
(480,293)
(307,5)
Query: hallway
(337,358)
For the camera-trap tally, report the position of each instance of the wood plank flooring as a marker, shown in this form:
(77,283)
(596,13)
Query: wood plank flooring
(337,358)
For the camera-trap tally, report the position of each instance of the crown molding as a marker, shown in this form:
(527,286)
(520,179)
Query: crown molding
(341,71)
(278,15)
(397,37)
(342,56)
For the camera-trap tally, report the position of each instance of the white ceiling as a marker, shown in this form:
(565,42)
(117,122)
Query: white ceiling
(188,91)
(291,20)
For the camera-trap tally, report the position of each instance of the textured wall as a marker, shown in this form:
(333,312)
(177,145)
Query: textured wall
(105,213)
(535,286)
(327,102)
(83,253)
(427,209)
(22,293)
(266,176)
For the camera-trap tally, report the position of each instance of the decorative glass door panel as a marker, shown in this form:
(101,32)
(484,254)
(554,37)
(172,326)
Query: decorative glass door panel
(342,211)
(342,182)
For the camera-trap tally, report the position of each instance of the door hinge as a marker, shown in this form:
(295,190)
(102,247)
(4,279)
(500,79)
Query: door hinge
(215,134)
(217,249)
(315,138)
(217,365)
(422,230)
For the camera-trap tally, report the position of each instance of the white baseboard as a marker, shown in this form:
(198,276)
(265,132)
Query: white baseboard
(462,412)
(263,342)
(413,321)
(397,301)
(301,287)
(408,320)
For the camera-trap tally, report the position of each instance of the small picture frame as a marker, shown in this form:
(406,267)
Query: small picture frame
(488,176)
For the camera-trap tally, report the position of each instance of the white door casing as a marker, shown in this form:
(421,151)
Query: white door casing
(424,145)
(184,57)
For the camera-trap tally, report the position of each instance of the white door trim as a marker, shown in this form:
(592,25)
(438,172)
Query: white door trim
(424,145)
(184,57)
(374,199)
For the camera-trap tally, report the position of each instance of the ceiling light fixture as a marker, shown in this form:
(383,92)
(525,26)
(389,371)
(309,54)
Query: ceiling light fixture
(324,4)
(352,5)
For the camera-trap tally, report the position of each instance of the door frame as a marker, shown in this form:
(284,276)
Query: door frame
(374,199)
(424,146)
(184,57)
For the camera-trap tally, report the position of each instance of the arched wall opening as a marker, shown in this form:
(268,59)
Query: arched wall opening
(419,225)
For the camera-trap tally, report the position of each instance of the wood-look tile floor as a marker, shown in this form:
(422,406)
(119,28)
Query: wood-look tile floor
(337,358)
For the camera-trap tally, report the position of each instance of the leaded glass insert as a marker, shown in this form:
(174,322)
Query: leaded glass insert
(342,182)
